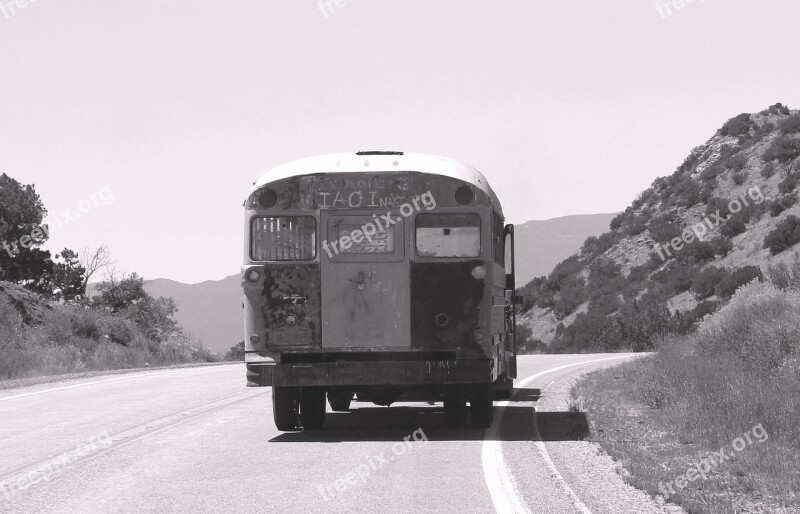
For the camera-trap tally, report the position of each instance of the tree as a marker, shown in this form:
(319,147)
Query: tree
(236,353)
(67,276)
(93,262)
(21,233)
(127,297)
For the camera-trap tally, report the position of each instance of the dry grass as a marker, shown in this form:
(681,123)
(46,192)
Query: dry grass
(661,415)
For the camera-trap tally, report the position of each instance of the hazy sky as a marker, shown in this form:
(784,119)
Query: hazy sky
(175,107)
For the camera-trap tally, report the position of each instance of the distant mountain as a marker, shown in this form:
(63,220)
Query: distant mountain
(211,312)
(540,245)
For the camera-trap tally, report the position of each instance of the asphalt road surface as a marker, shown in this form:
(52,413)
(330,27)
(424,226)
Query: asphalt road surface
(197,440)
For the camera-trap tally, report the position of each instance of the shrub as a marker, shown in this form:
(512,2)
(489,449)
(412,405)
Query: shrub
(616,221)
(783,149)
(785,235)
(733,227)
(758,325)
(739,178)
(768,170)
(663,229)
(721,245)
(716,204)
(698,251)
(737,126)
(782,203)
(790,125)
(779,108)
(705,282)
(737,162)
(788,184)
(737,278)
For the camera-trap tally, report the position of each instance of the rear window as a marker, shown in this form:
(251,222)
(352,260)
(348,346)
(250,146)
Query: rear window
(448,235)
(283,238)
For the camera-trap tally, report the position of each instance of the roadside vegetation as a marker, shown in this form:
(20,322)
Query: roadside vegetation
(48,323)
(661,415)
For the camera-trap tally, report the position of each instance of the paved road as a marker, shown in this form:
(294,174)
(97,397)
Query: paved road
(197,440)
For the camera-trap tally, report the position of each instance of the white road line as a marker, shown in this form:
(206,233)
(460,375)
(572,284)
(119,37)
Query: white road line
(129,376)
(502,489)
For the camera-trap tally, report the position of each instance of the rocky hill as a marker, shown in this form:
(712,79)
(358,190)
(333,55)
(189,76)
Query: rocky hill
(726,216)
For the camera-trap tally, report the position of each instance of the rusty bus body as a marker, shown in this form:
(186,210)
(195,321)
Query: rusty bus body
(378,274)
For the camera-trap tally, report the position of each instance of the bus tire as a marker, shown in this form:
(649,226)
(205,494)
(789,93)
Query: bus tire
(455,410)
(312,407)
(481,405)
(339,401)
(284,408)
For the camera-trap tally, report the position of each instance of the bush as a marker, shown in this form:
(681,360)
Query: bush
(785,235)
(716,204)
(663,229)
(790,125)
(737,162)
(737,126)
(788,184)
(768,170)
(705,282)
(733,227)
(780,204)
(739,178)
(721,245)
(698,251)
(737,278)
(783,149)
(759,325)
(779,108)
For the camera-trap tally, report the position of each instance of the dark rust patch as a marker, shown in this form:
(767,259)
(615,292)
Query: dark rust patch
(291,311)
(445,304)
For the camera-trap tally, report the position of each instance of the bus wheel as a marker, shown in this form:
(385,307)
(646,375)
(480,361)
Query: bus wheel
(284,408)
(455,410)
(312,407)
(340,401)
(481,405)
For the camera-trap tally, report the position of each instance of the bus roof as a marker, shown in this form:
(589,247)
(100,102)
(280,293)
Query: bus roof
(372,162)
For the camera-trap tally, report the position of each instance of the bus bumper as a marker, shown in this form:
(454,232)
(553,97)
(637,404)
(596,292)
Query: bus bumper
(370,373)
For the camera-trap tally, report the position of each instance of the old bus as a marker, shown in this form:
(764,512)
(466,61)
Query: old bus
(385,276)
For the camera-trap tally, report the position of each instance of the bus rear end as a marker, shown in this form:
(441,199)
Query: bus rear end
(385,280)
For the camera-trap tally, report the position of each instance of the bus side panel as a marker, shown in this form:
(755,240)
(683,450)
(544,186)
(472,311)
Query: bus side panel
(445,304)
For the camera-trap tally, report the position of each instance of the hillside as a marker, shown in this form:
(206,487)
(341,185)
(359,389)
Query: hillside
(679,251)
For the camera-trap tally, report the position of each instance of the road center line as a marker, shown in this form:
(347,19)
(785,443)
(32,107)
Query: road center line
(504,493)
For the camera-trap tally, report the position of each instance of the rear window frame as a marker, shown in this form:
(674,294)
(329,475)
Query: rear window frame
(251,243)
(450,257)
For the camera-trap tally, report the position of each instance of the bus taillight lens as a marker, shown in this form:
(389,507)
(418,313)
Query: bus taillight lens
(267,198)
(283,238)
